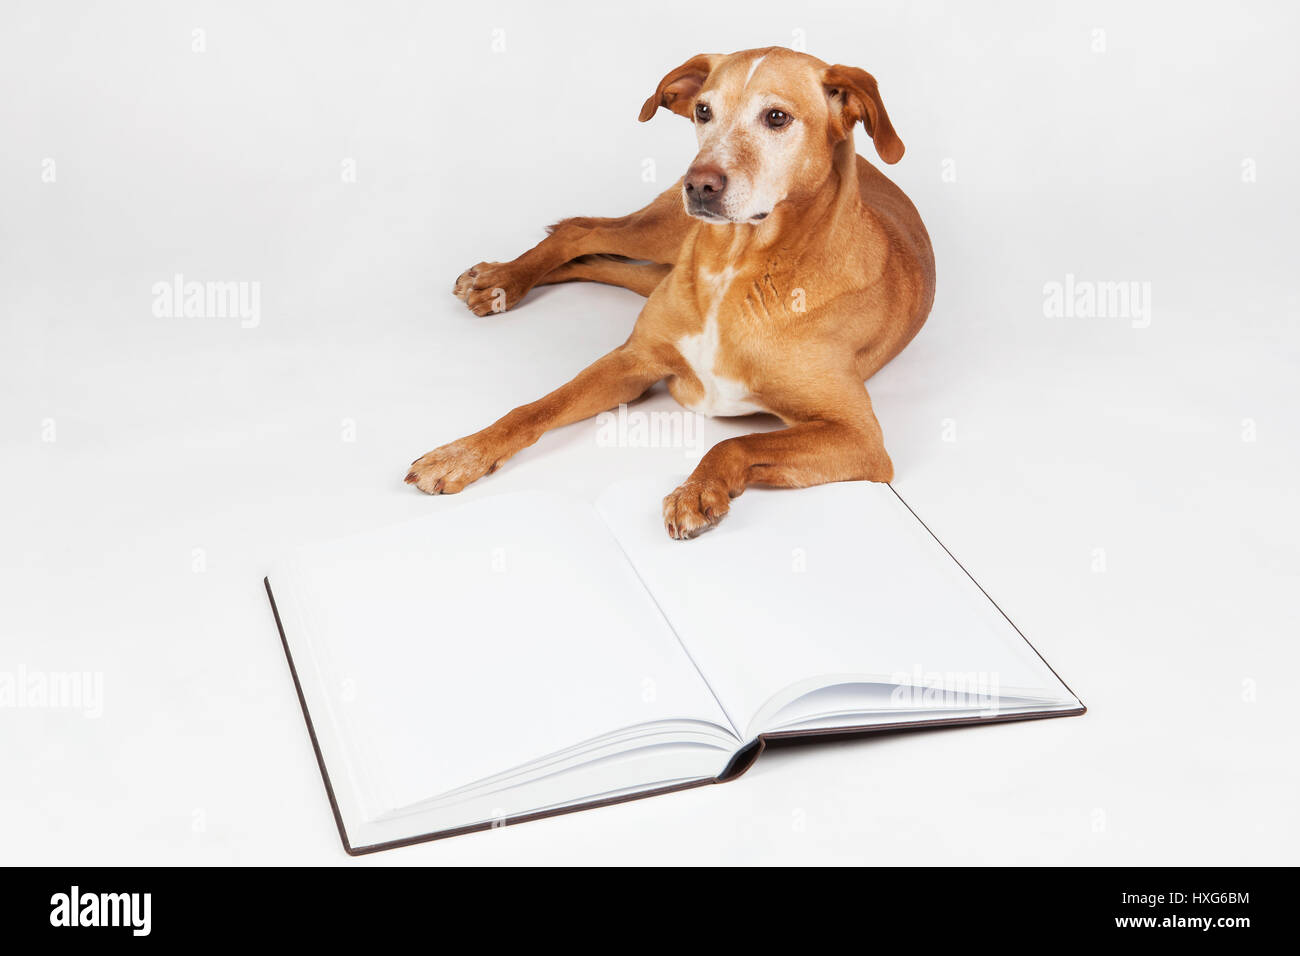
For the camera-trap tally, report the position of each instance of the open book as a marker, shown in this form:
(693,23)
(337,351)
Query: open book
(528,653)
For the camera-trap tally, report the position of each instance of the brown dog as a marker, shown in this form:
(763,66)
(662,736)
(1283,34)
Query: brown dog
(782,271)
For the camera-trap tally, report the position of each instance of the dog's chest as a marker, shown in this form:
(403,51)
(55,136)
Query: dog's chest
(722,396)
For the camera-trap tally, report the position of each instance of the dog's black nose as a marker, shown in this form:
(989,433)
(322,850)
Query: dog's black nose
(705,183)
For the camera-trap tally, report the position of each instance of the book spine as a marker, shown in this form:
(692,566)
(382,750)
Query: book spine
(742,761)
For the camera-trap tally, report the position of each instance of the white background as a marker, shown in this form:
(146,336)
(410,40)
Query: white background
(1130,163)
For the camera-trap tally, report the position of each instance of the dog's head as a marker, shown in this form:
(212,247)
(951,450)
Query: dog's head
(767,123)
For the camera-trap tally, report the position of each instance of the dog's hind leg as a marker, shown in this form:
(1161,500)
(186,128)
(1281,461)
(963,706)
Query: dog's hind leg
(652,235)
(640,277)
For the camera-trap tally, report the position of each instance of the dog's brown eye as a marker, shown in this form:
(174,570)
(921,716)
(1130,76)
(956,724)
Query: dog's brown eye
(775,119)
(702,112)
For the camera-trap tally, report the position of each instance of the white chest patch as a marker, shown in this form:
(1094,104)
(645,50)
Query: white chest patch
(722,396)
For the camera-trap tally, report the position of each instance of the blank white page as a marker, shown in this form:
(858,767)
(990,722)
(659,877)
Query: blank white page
(483,637)
(797,587)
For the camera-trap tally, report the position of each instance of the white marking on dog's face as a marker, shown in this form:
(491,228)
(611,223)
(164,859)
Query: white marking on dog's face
(762,121)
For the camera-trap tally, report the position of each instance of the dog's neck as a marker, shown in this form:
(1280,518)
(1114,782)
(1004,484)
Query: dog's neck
(794,226)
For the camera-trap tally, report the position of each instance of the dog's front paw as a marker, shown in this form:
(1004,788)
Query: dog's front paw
(490,287)
(446,470)
(695,507)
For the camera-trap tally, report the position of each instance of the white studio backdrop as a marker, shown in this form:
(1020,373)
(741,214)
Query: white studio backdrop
(1119,477)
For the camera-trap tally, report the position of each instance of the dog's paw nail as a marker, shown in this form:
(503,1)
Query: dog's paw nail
(410,478)
(437,487)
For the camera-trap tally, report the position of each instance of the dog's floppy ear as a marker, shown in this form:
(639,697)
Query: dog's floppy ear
(855,93)
(677,90)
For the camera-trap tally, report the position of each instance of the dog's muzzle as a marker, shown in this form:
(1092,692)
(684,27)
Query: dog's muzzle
(705,185)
